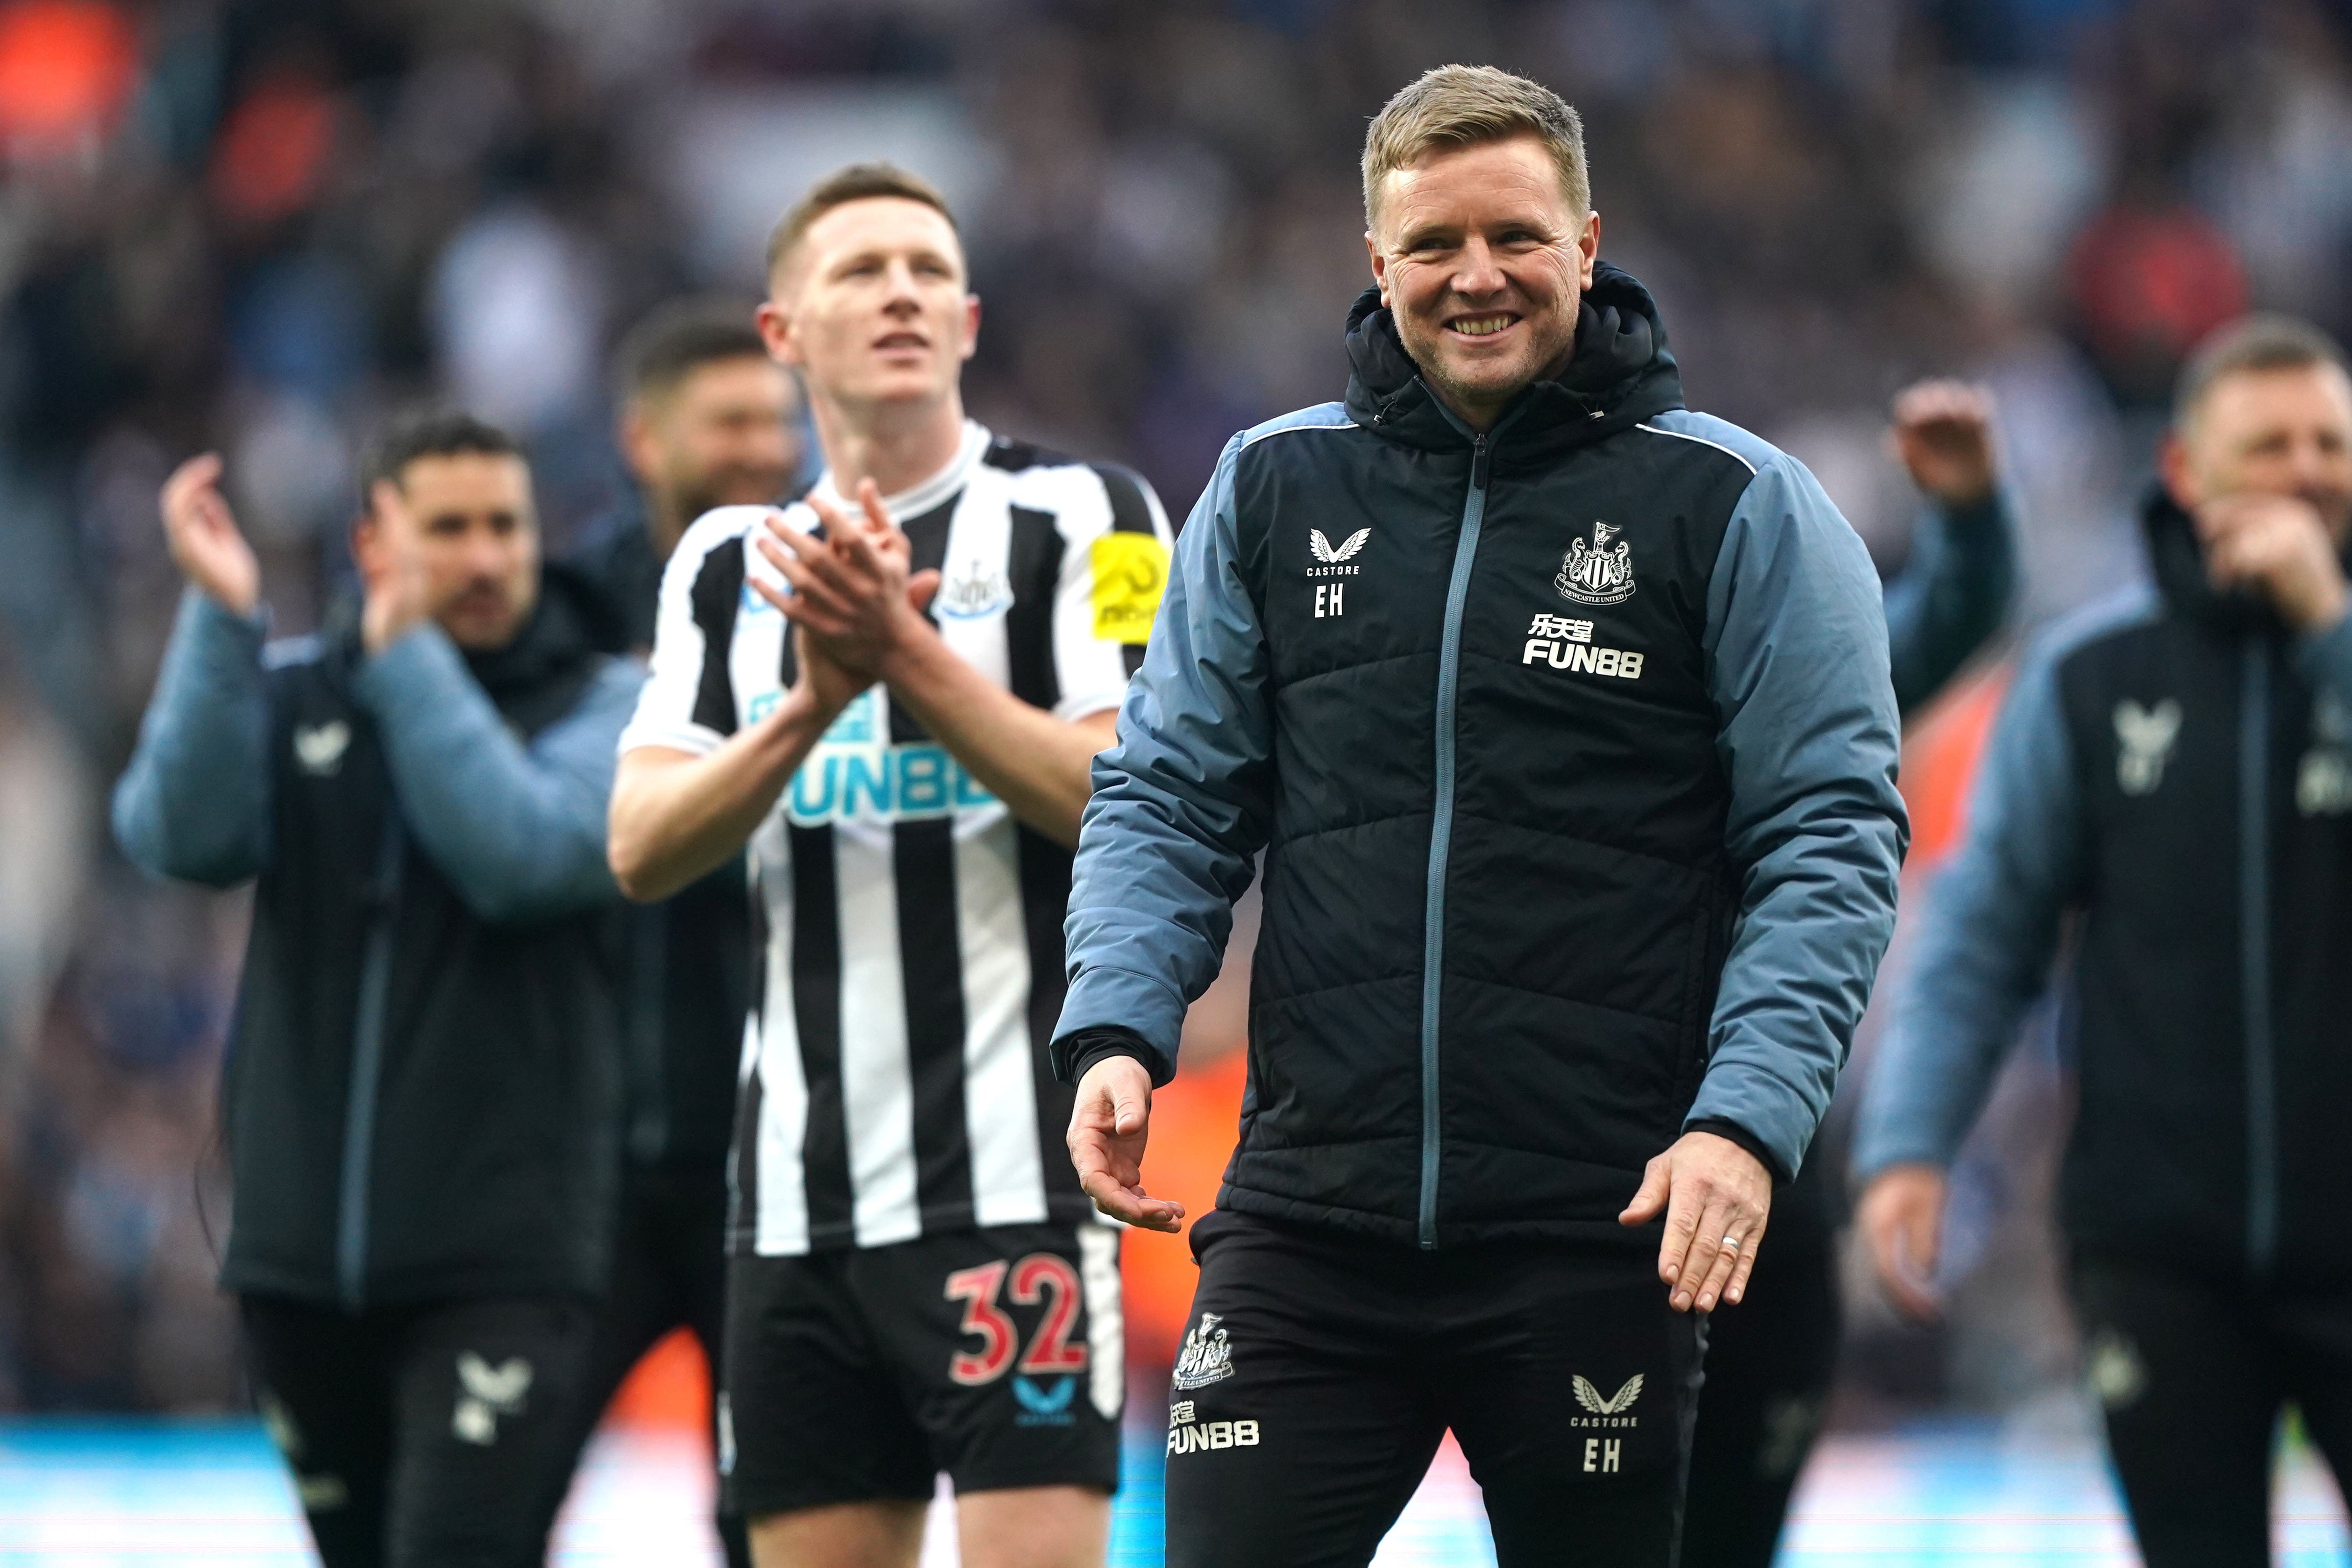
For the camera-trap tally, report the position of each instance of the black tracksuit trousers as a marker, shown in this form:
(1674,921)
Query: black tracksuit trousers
(424,1436)
(2193,1371)
(1319,1373)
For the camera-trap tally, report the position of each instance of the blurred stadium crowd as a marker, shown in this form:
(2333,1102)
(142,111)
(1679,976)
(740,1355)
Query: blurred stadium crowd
(255,224)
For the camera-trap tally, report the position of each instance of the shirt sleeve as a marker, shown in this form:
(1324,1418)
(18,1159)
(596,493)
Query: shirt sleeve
(687,702)
(517,827)
(1990,933)
(195,802)
(1809,738)
(1114,570)
(1182,802)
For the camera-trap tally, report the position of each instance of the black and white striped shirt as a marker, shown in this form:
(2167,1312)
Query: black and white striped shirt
(895,1081)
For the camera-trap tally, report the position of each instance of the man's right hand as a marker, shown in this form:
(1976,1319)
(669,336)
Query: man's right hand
(1109,1127)
(1943,434)
(1902,1220)
(201,533)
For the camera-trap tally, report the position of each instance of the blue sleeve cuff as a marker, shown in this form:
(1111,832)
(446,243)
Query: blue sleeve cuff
(1779,1121)
(1106,997)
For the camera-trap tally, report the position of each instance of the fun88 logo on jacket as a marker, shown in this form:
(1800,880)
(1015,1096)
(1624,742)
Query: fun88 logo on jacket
(855,773)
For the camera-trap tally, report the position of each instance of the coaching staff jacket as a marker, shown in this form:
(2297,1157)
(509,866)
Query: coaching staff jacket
(1572,748)
(2175,768)
(421,1094)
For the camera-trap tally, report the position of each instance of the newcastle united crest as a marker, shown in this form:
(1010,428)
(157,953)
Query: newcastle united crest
(1595,574)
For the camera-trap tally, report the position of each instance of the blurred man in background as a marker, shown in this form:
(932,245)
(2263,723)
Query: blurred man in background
(420,1104)
(895,698)
(706,420)
(1562,715)
(2174,767)
(1770,1359)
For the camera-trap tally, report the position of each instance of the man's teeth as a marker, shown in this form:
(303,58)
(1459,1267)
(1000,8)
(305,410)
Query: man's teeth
(1482,326)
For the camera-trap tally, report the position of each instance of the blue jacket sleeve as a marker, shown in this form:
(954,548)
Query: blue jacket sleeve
(195,803)
(1810,739)
(518,830)
(1182,802)
(1991,932)
(1951,597)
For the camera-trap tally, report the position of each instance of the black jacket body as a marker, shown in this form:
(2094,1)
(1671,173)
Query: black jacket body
(2213,977)
(418,1104)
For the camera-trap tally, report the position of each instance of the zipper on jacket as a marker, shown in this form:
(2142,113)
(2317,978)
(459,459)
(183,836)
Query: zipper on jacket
(1441,833)
(367,1070)
(2254,954)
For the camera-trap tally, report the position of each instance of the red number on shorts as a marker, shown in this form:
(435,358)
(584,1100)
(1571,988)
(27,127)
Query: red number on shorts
(976,1288)
(1050,1349)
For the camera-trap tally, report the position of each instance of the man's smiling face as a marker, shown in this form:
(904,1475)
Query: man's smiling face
(1482,261)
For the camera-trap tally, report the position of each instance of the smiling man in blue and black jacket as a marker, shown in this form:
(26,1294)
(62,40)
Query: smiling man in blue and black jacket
(1563,716)
(421,1098)
(2172,770)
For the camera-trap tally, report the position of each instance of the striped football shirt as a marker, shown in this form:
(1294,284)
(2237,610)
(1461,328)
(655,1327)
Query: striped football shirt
(894,1079)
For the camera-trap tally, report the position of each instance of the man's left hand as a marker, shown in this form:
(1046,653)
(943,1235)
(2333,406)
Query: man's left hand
(2279,546)
(1716,1196)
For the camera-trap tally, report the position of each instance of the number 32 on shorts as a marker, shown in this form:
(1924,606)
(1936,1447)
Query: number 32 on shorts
(1039,1277)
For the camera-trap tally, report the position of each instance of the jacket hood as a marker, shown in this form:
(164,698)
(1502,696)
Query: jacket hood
(1621,373)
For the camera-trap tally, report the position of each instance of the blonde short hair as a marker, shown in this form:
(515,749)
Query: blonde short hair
(856,183)
(1467,106)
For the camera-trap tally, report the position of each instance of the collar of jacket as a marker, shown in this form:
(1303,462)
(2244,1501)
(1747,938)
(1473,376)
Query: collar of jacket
(572,621)
(2177,563)
(1621,373)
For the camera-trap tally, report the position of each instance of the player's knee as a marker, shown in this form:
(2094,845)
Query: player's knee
(1033,1527)
(881,1534)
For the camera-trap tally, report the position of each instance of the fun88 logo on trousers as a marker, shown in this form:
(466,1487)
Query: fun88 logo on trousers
(853,773)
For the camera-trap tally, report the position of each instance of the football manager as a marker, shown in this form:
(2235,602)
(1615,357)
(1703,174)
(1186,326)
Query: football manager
(1562,716)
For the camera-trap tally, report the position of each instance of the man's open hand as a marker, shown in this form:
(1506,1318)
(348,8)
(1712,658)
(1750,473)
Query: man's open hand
(1108,1129)
(201,532)
(1716,1196)
(1901,1217)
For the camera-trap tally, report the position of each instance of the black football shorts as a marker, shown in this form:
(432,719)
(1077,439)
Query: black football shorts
(994,1355)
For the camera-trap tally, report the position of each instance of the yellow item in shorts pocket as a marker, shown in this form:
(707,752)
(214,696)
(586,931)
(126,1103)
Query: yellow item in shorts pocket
(1130,572)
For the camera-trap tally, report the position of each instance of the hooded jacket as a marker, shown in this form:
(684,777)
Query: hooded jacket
(2175,768)
(420,1100)
(1571,749)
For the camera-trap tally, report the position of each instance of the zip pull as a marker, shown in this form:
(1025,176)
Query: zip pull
(1478,463)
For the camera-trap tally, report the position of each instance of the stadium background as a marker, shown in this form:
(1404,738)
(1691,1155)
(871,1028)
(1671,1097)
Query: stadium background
(255,226)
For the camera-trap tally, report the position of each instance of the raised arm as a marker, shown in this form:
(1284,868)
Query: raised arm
(518,829)
(195,803)
(1953,593)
